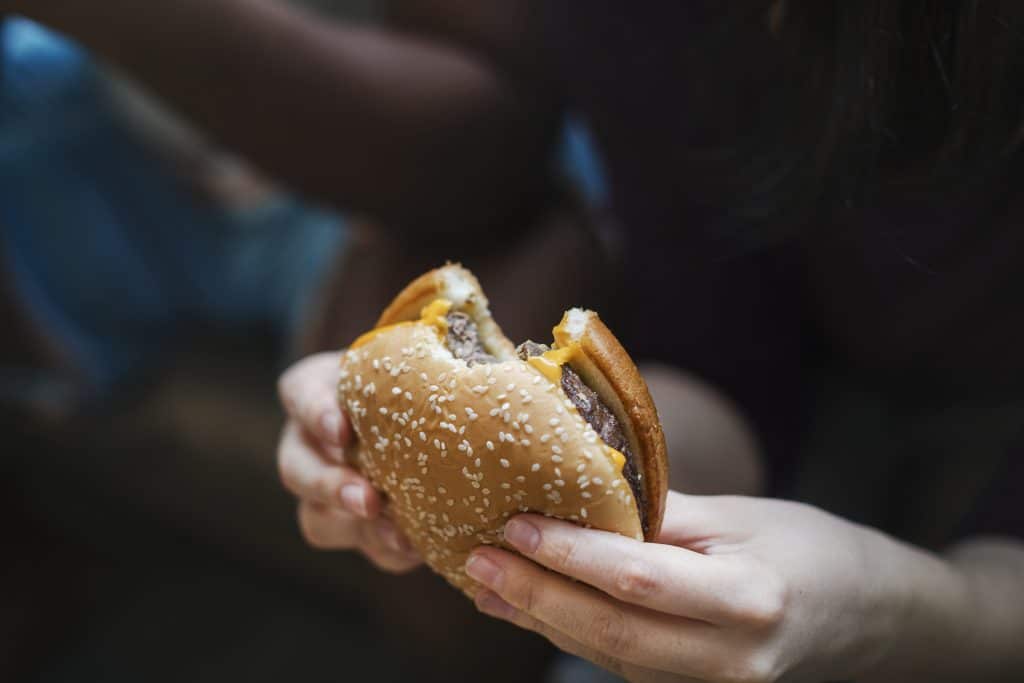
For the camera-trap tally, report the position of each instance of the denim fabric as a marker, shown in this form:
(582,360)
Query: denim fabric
(109,252)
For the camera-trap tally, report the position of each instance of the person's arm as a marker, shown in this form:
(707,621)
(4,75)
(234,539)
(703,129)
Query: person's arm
(405,129)
(747,589)
(963,618)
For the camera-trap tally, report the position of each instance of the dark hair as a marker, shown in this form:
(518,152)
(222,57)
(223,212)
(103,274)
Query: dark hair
(924,94)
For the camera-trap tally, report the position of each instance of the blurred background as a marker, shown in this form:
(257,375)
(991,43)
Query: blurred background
(153,288)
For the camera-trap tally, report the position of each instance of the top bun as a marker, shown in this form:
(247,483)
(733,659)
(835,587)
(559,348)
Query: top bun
(460,448)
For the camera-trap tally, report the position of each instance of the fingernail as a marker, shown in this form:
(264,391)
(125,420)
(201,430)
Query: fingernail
(330,422)
(354,498)
(483,570)
(522,535)
(489,603)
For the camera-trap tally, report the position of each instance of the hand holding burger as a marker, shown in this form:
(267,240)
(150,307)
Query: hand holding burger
(724,589)
(460,429)
(338,508)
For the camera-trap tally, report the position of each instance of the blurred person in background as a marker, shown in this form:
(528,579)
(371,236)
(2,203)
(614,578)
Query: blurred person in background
(819,221)
(125,237)
(120,228)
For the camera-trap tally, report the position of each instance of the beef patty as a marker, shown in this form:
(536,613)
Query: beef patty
(464,340)
(601,419)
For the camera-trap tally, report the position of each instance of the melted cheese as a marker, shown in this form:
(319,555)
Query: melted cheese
(550,362)
(550,365)
(433,314)
(617,457)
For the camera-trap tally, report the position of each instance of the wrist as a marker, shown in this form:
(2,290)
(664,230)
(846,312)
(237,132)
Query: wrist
(923,616)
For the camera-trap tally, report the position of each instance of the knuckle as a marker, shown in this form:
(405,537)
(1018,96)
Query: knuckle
(635,580)
(765,603)
(284,468)
(563,551)
(327,486)
(610,633)
(287,387)
(309,528)
(524,594)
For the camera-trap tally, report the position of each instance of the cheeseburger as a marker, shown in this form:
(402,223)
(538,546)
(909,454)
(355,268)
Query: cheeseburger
(461,429)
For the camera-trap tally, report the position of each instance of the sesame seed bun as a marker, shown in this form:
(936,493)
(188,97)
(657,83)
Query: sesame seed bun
(460,448)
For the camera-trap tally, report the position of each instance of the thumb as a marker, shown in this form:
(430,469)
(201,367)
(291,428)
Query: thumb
(691,521)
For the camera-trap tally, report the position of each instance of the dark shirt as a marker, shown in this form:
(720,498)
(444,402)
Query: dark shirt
(900,291)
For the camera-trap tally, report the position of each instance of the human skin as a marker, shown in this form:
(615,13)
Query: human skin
(736,588)
(430,132)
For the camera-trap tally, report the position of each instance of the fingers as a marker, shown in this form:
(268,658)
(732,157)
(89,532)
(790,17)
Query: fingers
(309,394)
(329,528)
(338,509)
(601,623)
(306,474)
(491,604)
(660,577)
(691,521)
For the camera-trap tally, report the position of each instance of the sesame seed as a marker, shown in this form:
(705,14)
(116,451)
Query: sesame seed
(583,513)
(490,445)
(557,459)
(408,396)
(546,487)
(545,438)
(559,483)
(555,448)
(585,494)
(504,463)
(520,478)
(534,467)
(383,410)
(554,421)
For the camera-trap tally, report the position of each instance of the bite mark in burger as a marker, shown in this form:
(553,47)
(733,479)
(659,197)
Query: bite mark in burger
(599,417)
(461,430)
